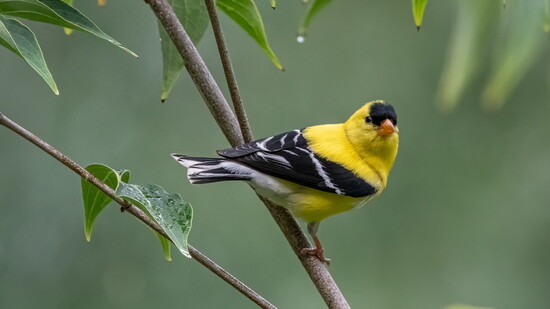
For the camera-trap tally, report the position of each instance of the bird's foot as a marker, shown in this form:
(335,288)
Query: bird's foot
(318,252)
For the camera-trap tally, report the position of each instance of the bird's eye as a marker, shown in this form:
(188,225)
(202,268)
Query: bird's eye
(368,119)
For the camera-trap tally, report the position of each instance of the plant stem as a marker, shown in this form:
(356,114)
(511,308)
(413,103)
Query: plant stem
(228,70)
(138,213)
(201,76)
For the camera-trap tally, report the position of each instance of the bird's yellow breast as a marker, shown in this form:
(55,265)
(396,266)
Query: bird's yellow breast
(313,205)
(331,142)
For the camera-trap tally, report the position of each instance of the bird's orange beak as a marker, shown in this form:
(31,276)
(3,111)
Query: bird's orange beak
(387,128)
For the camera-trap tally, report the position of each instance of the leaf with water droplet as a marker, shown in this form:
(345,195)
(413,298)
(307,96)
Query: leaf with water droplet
(175,217)
(194,18)
(245,13)
(95,200)
(313,8)
(58,13)
(418,7)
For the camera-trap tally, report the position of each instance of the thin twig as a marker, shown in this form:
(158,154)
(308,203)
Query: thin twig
(228,70)
(316,269)
(138,213)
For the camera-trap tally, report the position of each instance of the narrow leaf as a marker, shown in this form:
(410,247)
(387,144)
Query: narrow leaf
(94,199)
(245,13)
(475,23)
(56,12)
(21,40)
(313,8)
(68,31)
(194,19)
(418,7)
(546,18)
(165,243)
(518,51)
(169,210)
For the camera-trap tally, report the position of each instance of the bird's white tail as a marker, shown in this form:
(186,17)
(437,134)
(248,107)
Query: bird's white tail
(206,170)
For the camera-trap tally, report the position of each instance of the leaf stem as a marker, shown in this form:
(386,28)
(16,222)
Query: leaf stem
(138,213)
(229,73)
(203,79)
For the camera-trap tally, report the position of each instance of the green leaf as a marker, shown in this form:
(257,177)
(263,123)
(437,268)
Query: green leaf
(21,40)
(519,48)
(169,210)
(56,12)
(165,243)
(418,7)
(67,30)
(194,19)
(475,25)
(313,8)
(245,13)
(546,18)
(94,199)
(273,3)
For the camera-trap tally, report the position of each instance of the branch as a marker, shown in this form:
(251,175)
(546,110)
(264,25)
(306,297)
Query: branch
(316,269)
(195,254)
(228,70)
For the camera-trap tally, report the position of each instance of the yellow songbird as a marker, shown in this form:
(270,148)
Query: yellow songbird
(315,172)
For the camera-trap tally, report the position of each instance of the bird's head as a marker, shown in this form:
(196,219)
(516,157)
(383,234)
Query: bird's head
(376,119)
(373,128)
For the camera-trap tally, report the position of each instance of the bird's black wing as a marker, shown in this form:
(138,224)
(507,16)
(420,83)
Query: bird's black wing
(287,156)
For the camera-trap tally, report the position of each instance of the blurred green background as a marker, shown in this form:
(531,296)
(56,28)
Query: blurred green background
(465,218)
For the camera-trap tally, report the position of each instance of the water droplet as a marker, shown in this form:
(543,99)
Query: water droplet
(300,39)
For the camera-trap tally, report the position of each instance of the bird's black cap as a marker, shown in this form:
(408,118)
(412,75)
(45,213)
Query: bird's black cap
(382,111)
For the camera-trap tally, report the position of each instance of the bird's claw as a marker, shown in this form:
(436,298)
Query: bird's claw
(318,252)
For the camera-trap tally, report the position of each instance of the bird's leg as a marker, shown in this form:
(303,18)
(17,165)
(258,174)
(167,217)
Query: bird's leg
(318,250)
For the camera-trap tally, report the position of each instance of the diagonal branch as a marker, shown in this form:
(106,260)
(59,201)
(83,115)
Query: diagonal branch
(228,70)
(138,213)
(202,78)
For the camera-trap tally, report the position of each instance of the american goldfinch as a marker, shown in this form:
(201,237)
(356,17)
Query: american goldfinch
(315,172)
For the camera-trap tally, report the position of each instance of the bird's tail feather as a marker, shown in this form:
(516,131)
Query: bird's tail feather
(206,170)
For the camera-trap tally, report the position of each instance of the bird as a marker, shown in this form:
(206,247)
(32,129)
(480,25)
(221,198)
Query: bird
(314,172)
